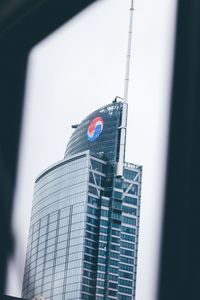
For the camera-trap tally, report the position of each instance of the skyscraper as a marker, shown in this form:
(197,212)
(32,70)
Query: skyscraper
(83,236)
(84,227)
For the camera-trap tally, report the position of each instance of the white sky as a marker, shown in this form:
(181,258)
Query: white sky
(78,69)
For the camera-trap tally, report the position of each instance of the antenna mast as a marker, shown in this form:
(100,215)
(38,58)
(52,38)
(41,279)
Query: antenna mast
(128,61)
(123,127)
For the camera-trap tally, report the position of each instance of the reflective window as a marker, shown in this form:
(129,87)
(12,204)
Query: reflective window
(130,200)
(129,174)
(127,252)
(117,204)
(126,267)
(125,290)
(127,237)
(117,195)
(128,220)
(104,223)
(113,277)
(93,190)
(125,282)
(128,230)
(93,200)
(92,211)
(125,275)
(118,183)
(113,270)
(104,213)
(126,260)
(96,165)
(127,245)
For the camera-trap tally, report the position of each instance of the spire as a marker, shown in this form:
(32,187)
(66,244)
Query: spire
(123,127)
(126,83)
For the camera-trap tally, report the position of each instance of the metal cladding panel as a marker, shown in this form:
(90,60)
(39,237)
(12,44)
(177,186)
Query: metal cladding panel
(98,133)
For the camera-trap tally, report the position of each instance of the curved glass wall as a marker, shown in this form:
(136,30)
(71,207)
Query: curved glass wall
(56,238)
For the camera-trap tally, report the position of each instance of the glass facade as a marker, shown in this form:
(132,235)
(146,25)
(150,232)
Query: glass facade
(84,225)
(55,248)
(105,146)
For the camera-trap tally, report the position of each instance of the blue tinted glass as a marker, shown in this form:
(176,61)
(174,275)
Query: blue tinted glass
(103,142)
(130,200)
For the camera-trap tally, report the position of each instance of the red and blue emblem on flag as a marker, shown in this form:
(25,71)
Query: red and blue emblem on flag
(95,128)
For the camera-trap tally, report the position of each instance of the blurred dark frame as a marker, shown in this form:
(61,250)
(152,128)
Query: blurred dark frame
(22,25)
(179,276)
